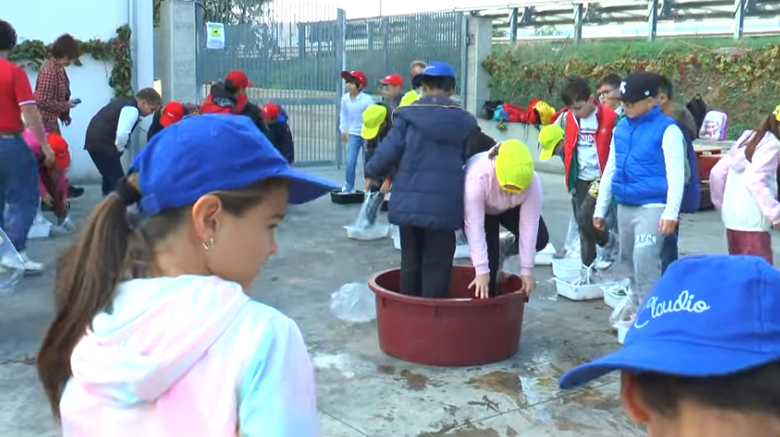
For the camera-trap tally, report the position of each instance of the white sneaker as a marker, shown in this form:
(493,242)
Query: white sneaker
(30,267)
(63,227)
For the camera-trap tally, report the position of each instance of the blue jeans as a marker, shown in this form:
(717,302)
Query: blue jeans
(354,145)
(669,252)
(18,189)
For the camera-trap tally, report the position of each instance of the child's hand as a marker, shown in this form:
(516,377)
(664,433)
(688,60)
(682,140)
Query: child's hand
(344,137)
(598,223)
(369,185)
(668,227)
(529,284)
(481,286)
(386,185)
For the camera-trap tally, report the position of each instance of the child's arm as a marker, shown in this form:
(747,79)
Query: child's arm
(530,212)
(674,146)
(758,177)
(718,176)
(344,118)
(604,199)
(277,397)
(389,151)
(474,224)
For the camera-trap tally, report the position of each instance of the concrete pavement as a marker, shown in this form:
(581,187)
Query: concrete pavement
(363,392)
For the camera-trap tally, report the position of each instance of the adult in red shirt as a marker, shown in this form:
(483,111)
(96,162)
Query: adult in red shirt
(18,167)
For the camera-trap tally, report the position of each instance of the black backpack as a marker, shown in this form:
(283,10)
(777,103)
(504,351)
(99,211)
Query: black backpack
(698,109)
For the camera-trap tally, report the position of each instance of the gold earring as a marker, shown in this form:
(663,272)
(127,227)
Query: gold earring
(208,244)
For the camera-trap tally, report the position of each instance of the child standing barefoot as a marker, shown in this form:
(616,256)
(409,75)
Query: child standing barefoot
(743,186)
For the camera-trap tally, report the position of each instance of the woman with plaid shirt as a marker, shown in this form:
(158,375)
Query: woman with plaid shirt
(52,90)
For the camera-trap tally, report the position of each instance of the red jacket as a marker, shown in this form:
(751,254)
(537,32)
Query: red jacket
(607,118)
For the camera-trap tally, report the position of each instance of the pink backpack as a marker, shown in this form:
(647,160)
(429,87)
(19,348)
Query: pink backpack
(715,126)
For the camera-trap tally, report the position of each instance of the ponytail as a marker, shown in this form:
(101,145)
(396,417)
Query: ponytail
(87,275)
(769,125)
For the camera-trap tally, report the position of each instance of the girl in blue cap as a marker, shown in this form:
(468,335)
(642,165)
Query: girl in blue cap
(154,333)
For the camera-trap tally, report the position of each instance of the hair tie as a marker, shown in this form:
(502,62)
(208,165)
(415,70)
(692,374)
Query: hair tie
(128,191)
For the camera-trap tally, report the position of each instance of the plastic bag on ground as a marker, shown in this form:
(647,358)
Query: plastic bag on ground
(11,265)
(365,226)
(354,303)
(572,244)
(627,308)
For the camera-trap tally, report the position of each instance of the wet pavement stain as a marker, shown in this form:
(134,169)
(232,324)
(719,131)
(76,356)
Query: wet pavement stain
(501,381)
(510,432)
(469,431)
(414,381)
(593,399)
(387,370)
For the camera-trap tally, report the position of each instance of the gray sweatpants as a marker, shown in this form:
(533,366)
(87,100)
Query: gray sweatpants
(640,247)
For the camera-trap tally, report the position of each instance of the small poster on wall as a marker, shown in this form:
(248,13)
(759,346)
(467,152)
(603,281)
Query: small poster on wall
(215,36)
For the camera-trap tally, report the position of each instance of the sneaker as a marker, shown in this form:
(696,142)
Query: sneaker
(75,192)
(346,190)
(63,227)
(30,267)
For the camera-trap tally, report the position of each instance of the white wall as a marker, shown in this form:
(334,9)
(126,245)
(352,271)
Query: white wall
(90,81)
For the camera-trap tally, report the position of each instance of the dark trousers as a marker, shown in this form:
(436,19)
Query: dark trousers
(109,165)
(510,220)
(750,243)
(669,249)
(584,205)
(426,261)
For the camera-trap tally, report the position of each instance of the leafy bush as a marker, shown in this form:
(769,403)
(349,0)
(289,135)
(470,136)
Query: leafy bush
(737,77)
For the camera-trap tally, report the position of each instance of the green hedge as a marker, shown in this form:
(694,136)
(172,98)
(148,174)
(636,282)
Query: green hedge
(741,78)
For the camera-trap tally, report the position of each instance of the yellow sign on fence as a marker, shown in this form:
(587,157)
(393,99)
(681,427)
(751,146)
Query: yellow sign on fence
(215,36)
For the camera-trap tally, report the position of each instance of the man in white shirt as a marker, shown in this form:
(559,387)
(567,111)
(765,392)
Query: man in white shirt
(645,174)
(109,133)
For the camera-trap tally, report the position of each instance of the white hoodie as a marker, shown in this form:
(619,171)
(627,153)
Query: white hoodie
(190,356)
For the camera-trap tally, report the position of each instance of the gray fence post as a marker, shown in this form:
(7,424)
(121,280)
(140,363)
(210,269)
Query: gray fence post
(385,23)
(464,58)
(341,60)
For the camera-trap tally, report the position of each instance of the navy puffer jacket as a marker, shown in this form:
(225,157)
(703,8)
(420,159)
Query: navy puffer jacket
(428,143)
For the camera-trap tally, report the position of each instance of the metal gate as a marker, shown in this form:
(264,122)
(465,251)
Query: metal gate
(293,54)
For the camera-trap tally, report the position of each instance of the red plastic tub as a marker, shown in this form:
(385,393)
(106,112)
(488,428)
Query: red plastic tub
(458,331)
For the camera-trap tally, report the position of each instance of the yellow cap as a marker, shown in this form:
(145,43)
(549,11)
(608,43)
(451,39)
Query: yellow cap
(514,166)
(777,113)
(549,137)
(546,112)
(409,98)
(373,117)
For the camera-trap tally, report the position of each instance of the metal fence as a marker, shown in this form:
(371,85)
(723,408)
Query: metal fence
(294,53)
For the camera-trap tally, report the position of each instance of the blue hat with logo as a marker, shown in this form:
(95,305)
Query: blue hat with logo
(438,69)
(707,316)
(215,152)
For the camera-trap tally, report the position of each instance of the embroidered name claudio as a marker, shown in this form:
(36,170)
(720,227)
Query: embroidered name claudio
(684,303)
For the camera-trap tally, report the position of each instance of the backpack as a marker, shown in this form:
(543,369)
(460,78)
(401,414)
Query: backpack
(691,200)
(515,114)
(698,109)
(539,112)
(715,126)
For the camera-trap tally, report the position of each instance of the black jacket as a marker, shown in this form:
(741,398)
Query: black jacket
(281,137)
(155,127)
(101,132)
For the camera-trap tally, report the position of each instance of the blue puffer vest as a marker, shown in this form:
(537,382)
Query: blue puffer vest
(640,172)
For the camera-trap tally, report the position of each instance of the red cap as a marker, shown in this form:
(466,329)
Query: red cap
(270,111)
(393,79)
(357,75)
(61,151)
(173,112)
(238,79)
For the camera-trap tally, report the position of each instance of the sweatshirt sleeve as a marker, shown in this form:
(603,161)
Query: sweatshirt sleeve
(278,398)
(759,175)
(127,119)
(530,211)
(344,117)
(604,199)
(474,223)
(718,176)
(674,146)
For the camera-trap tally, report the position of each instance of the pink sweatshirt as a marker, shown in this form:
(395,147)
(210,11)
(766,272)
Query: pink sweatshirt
(484,196)
(746,192)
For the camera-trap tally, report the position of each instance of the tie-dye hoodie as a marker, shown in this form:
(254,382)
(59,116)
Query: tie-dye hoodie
(190,356)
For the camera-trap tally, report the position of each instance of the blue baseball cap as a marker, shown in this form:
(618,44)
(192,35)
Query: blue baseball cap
(438,69)
(707,316)
(214,152)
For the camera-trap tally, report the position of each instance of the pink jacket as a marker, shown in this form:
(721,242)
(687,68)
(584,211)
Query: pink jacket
(190,356)
(746,192)
(29,138)
(484,196)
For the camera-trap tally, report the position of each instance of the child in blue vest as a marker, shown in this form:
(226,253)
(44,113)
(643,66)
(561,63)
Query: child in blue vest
(427,143)
(645,173)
